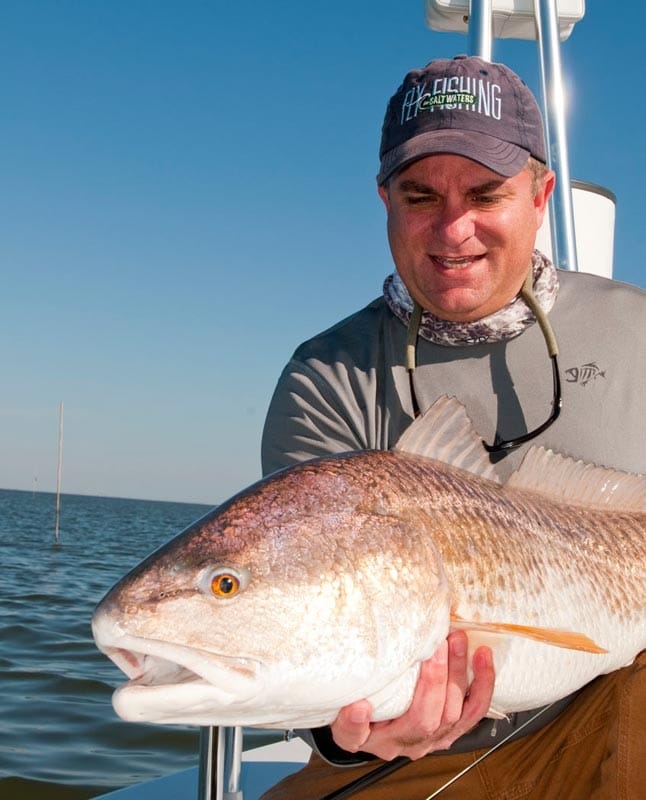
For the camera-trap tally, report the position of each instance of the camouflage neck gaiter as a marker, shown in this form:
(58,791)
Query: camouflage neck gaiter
(507,323)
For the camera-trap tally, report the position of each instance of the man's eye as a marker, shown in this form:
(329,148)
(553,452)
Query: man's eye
(485,199)
(420,199)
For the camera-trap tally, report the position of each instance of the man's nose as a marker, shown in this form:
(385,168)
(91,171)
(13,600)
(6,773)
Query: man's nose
(454,225)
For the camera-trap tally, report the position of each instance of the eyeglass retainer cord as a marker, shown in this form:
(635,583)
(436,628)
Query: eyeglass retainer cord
(528,296)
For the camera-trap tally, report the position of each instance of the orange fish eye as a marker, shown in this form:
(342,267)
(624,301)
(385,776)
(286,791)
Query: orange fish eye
(225,584)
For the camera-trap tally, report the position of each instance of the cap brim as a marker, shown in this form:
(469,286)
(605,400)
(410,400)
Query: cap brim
(501,157)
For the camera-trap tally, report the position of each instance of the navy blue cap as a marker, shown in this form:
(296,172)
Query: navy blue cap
(465,106)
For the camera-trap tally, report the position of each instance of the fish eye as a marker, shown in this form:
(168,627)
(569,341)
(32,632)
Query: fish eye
(224,582)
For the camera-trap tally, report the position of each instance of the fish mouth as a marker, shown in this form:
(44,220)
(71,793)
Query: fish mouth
(150,669)
(175,683)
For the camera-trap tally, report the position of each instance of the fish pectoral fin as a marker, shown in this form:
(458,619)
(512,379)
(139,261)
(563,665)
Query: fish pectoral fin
(570,640)
(493,713)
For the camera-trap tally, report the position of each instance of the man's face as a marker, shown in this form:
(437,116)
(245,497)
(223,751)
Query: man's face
(461,235)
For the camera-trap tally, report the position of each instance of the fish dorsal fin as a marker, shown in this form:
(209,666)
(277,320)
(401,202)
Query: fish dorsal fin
(576,482)
(446,433)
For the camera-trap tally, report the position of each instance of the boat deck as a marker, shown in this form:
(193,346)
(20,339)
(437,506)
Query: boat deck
(262,767)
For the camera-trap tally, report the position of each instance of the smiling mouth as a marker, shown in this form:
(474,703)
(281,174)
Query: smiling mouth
(456,263)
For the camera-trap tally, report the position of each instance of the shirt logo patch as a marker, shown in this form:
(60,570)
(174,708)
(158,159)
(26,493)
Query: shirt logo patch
(584,374)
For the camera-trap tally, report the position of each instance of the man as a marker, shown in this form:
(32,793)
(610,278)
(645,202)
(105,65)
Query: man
(465,185)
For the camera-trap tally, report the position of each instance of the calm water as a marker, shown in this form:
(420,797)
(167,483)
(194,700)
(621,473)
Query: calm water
(59,737)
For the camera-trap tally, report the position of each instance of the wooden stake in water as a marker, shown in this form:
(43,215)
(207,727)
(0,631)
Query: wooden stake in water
(59,471)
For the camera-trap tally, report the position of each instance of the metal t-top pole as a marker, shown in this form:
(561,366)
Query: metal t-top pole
(220,764)
(561,208)
(481,37)
(481,28)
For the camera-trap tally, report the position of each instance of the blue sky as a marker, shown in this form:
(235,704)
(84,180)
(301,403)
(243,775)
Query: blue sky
(188,192)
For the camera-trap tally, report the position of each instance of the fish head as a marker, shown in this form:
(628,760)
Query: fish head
(305,592)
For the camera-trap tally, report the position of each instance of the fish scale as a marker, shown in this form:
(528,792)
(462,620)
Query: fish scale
(345,572)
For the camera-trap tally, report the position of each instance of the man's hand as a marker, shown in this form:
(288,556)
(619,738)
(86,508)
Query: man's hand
(444,707)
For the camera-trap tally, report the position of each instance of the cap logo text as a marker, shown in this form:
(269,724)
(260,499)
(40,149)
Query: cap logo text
(456,92)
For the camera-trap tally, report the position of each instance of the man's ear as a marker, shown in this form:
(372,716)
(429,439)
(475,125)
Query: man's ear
(543,195)
(383,193)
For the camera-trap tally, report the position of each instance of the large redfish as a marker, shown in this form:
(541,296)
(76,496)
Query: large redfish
(330,581)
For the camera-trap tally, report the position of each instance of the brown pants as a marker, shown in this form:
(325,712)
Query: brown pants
(595,750)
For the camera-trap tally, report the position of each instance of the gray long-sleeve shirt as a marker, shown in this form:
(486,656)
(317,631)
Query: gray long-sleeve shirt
(348,389)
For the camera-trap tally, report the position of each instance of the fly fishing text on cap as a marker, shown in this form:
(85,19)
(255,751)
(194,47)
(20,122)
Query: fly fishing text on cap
(465,106)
